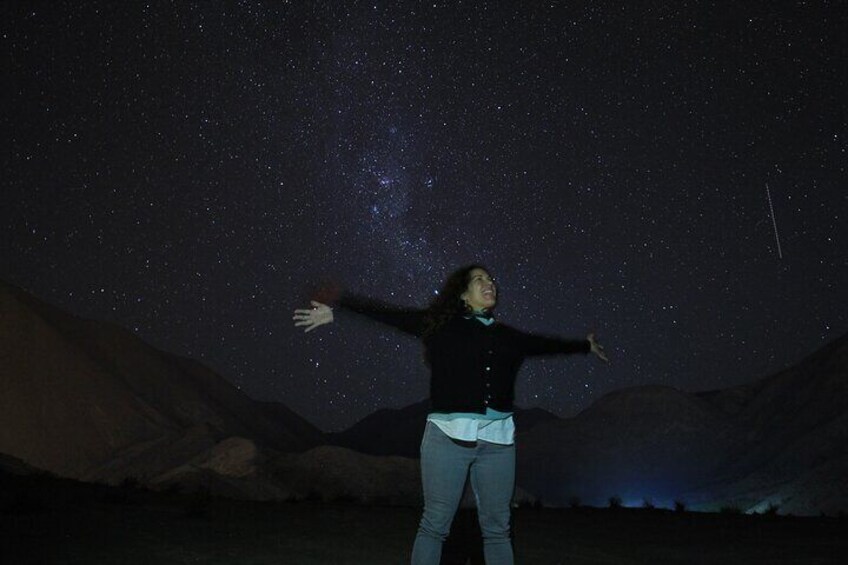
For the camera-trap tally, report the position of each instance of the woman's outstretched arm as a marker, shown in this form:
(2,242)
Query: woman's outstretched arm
(532,344)
(405,319)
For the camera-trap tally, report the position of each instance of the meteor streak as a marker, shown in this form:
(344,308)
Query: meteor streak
(774,223)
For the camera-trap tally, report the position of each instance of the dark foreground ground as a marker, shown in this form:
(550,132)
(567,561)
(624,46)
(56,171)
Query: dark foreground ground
(62,522)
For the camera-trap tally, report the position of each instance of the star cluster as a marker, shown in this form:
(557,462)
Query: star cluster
(193,170)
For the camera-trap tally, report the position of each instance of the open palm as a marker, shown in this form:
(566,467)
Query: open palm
(318,315)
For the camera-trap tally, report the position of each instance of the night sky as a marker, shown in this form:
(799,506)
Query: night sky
(670,175)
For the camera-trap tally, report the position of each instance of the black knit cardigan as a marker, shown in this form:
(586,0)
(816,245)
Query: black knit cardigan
(473,366)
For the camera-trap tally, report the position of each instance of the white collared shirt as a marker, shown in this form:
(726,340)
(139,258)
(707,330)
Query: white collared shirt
(494,426)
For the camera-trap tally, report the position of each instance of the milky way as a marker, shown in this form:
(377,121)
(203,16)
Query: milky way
(192,170)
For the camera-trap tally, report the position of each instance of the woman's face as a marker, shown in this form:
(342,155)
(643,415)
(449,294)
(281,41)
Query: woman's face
(481,292)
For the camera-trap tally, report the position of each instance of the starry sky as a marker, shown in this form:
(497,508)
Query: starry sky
(669,175)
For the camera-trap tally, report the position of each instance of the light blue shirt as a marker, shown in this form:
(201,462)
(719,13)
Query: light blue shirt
(493,426)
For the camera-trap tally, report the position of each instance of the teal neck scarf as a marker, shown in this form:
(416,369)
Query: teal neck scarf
(484,316)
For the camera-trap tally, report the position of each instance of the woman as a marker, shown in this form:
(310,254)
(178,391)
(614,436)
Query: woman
(473,362)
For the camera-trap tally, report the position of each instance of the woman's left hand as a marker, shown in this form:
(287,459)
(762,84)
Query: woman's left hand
(597,348)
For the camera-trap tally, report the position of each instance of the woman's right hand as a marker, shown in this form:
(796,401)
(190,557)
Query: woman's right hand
(319,315)
(597,348)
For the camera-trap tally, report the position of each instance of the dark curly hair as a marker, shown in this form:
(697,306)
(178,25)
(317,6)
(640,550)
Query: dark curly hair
(448,303)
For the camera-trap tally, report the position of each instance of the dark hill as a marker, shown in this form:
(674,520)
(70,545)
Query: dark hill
(84,398)
(782,440)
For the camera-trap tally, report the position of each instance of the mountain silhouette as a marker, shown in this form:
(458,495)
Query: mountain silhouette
(781,440)
(90,400)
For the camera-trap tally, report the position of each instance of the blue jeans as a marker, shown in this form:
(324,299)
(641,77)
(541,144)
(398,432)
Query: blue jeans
(444,468)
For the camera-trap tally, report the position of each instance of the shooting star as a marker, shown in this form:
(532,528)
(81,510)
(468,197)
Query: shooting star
(774,223)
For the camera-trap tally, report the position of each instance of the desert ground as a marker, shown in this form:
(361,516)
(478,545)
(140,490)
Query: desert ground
(54,521)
